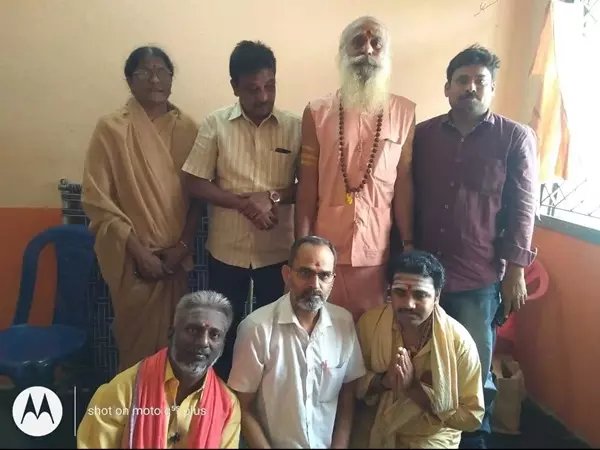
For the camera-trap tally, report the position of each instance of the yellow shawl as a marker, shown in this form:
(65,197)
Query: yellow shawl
(394,415)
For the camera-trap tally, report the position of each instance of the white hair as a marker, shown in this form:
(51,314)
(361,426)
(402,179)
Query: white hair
(370,92)
(204,299)
(352,26)
(199,300)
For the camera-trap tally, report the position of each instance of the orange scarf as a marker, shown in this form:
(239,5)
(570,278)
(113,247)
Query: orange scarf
(149,431)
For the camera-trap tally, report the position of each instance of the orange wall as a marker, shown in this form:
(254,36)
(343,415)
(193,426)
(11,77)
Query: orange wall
(19,225)
(558,335)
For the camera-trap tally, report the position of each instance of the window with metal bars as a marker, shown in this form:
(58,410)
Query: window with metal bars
(577,201)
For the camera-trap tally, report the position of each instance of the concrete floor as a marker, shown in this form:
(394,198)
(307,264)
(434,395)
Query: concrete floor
(538,430)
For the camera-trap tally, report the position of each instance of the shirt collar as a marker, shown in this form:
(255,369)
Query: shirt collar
(488,118)
(237,112)
(287,315)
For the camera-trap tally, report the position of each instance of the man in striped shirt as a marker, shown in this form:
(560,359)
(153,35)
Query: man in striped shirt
(243,164)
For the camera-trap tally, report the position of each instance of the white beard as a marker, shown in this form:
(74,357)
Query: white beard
(310,305)
(194,369)
(364,87)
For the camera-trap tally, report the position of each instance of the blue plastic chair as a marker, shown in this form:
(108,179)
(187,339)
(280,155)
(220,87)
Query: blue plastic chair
(29,354)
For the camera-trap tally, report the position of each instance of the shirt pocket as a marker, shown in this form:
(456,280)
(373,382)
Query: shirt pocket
(331,383)
(386,163)
(279,168)
(484,174)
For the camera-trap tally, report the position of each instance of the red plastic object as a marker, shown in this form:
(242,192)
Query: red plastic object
(537,281)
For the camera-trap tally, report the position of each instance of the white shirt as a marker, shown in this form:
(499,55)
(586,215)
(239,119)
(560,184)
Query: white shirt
(298,377)
(241,158)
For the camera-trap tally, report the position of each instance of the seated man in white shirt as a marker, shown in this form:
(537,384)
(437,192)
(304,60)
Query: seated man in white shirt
(296,361)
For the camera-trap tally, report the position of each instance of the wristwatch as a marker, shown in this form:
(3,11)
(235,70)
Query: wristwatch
(275,197)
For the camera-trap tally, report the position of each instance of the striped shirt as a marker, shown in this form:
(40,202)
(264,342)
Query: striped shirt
(241,158)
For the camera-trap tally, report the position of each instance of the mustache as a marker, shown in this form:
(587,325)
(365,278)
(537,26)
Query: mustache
(364,60)
(179,358)
(468,95)
(404,311)
(312,293)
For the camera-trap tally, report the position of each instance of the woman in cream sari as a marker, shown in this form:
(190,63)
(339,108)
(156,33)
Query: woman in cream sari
(133,194)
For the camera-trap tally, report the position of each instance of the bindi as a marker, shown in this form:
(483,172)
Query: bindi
(206,324)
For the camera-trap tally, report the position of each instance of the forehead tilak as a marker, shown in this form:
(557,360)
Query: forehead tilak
(368,29)
(401,281)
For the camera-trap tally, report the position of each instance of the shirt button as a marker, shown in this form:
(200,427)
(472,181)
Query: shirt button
(438,253)
(452,184)
(446,206)
(442,230)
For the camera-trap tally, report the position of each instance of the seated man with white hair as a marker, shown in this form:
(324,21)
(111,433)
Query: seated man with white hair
(172,399)
(355,167)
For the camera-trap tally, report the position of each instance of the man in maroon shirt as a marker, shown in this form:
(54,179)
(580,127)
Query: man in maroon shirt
(475,176)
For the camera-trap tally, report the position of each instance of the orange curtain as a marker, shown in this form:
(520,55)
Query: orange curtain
(549,119)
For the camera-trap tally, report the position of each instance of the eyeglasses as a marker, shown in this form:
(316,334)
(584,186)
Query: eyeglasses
(307,274)
(145,75)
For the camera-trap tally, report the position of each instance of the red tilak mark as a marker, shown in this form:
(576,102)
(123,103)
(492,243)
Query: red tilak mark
(318,265)
(205,324)
(409,286)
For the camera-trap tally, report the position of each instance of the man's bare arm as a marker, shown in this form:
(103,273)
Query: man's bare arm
(403,191)
(307,193)
(251,428)
(191,224)
(344,416)
(288,195)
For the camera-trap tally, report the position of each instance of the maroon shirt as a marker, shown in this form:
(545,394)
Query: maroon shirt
(475,197)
